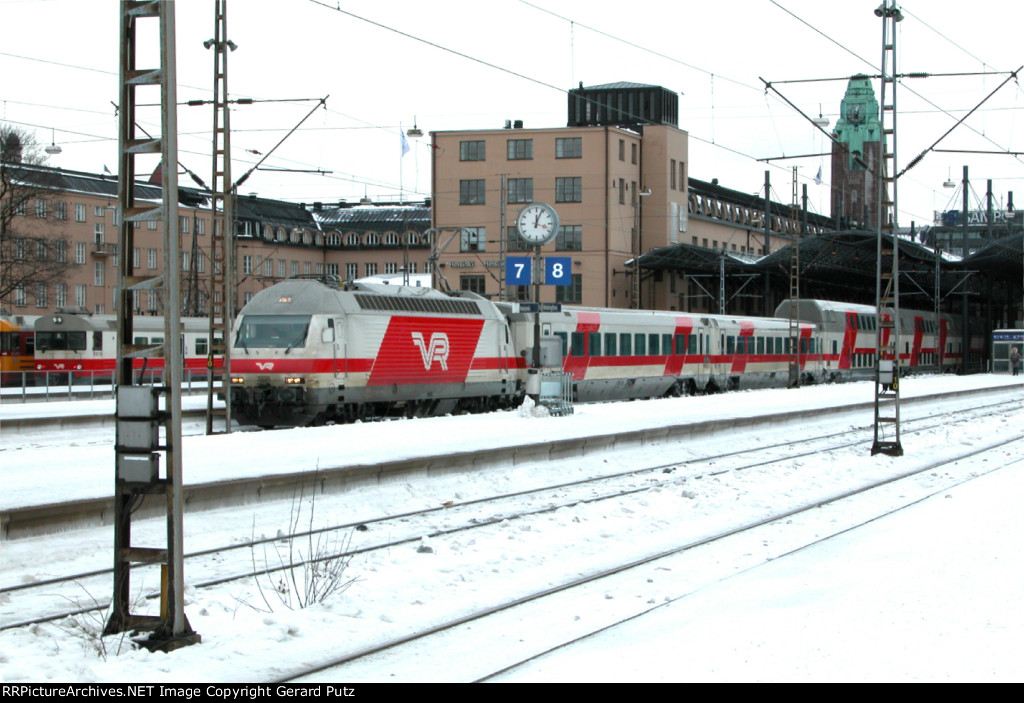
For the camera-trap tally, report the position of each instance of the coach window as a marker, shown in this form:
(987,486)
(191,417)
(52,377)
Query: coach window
(565,343)
(640,345)
(201,346)
(760,345)
(730,345)
(577,344)
(652,343)
(595,344)
(626,344)
(609,344)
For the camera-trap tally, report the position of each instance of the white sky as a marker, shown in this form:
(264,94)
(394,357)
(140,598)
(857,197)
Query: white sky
(59,63)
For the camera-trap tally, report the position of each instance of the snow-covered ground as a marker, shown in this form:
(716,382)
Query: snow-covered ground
(931,593)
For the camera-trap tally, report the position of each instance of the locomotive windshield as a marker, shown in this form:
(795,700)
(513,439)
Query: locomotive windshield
(60,341)
(272,331)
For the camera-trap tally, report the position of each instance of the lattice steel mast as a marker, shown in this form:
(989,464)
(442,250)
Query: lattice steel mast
(139,412)
(887,283)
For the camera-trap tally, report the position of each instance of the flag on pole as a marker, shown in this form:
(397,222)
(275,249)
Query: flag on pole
(817,179)
(405,142)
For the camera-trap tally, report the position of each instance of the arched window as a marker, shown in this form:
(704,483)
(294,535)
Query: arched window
(307,238)
(319,239)
(352,239)
(372,239)
(391,239)
(296,236)
(282,235)
(333,239)
(268,233)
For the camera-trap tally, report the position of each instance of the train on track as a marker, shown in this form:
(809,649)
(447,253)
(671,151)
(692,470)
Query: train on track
(306,352)
(85,345)
(17,347)
(310,351)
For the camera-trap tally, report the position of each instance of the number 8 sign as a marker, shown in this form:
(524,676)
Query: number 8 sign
(558,271)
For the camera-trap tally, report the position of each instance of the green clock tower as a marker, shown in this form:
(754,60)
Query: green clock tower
(857,157)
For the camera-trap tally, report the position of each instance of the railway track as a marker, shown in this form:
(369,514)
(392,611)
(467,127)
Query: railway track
(57,517)
(216,564)
(528,633)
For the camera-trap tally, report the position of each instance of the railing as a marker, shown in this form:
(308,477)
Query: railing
(41,386)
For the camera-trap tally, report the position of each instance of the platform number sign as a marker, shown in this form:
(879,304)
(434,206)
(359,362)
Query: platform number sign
(518,270)
(558,271)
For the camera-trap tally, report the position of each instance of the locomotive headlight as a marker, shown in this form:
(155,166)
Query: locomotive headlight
(237,379)
(294,380)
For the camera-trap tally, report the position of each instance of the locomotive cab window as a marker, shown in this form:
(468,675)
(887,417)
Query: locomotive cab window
(273,331)
(60,341)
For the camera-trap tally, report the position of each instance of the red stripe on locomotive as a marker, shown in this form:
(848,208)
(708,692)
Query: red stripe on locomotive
(426,350)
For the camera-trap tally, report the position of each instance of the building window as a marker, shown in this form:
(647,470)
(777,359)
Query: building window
(151,258)
(79,252)
(622,191)
(97,232)
(622,150)
(472,238)
(60,294)
(332,269)
(672,174)
(471,192)
(295,269)
(200,227)
(472,151)
(20,297)
(520,149)
(474,283)
(572,293)
(520,190)
(371,269)
(514,242)
(570,238)
(633,152)
(351,272)
(391,267)
(183,224)
(282,268)
(97,270)
(569,148)
(306,267)
(40,295)
(79,212)
(569,190)
(80,295)
(98,210)
(61,249)
(40,207)
(60,210)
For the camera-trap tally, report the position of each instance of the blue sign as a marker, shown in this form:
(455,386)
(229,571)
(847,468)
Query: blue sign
(558,271)
(518,271)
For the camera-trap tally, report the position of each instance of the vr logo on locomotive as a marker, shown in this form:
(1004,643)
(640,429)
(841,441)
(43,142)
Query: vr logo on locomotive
(438,349)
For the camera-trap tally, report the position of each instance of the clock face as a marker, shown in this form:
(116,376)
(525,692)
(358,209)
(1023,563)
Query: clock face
(537,223)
